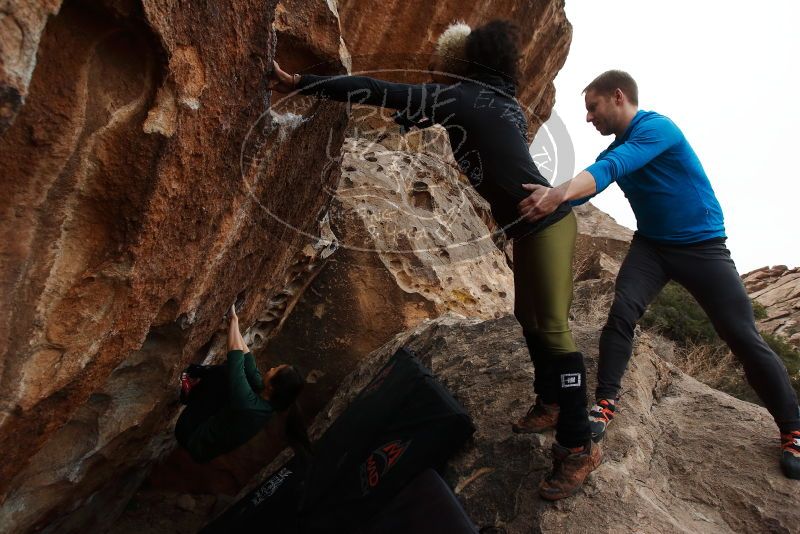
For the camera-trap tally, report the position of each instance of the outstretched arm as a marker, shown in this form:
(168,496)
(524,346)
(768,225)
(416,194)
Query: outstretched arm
(236,342)
(420,100)
(646,142)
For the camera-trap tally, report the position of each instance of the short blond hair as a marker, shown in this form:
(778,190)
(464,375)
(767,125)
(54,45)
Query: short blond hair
(451,46)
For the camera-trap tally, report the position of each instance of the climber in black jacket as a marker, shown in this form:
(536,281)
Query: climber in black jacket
(472,97)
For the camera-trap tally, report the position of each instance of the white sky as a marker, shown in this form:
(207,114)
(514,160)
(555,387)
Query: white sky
(728,74)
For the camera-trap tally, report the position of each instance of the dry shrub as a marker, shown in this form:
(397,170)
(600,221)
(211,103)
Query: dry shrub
(591,302)
(715,366)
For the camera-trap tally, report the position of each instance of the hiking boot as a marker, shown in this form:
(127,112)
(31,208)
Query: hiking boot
(570,469)
(790,454)
(600,416)
(540,417)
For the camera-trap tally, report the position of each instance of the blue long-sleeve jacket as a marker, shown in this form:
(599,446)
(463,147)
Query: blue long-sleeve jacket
(663,180)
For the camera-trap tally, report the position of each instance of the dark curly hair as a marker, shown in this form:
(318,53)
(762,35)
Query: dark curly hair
(494,49)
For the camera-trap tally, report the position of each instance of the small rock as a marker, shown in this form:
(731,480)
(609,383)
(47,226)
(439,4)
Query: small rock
(186,502)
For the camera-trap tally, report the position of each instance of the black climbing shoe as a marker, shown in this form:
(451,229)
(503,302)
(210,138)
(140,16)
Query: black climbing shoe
(190,377)
(600,416)
(790,454)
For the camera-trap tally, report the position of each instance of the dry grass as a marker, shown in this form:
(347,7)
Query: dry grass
(582,262)
(715,366)
(591,302)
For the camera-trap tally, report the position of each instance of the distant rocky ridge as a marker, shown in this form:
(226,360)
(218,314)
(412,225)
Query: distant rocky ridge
(778,290)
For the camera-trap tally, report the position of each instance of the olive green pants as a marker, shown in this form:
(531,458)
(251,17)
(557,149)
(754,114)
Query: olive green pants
(543,296)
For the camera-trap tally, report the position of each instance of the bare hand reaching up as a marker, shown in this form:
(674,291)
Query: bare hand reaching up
(282,81)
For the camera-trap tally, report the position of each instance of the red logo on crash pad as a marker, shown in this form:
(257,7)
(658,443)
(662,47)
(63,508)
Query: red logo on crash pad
(379,462)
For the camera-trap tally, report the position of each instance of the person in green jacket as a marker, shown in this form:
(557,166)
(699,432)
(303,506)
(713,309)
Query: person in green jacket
(229,404)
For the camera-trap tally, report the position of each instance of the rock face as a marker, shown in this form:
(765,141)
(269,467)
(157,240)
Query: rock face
(778,290)
(20,30)
(400,35)
(411,246)
(670,464)
(149,180)
(137,203)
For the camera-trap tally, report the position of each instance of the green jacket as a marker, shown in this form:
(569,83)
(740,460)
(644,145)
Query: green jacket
(244,414)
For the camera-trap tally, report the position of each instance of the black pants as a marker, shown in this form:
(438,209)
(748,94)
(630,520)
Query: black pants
(206,399)
(707,271)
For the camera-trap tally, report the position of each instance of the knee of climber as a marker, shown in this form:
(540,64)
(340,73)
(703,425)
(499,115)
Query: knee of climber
(622,318)
(734,329)
(557,342)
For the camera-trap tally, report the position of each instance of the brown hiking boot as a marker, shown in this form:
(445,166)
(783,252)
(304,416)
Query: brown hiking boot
(540,417)
(570,469)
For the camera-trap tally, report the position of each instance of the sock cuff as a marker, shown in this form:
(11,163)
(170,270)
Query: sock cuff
(570,363)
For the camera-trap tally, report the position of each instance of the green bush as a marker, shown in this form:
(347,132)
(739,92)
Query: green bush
(788,353)
(677,316)
(759,311)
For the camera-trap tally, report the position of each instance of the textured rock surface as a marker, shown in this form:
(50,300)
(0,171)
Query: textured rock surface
(128,226)
(146,187)
(670,464)
(21,27)
(778,290)
(400,35)
(411,246)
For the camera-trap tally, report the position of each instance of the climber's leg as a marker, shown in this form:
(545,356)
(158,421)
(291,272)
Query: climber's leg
(640,279)
(204,402)
(709,274)
(543,295)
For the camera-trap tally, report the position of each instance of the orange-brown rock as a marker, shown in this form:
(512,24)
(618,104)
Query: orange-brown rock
(394,34)
(147,184)
(411,245)
(137,204)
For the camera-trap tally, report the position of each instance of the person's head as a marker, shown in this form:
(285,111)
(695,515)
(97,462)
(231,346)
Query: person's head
(449,55)
(494,49)
(611,101)
(282,385)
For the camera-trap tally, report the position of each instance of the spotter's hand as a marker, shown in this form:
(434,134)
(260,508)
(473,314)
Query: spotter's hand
(541,202)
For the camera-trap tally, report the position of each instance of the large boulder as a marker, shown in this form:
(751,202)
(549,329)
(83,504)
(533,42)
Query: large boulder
(146,184)
(778,290)
(400,36)
(411,245)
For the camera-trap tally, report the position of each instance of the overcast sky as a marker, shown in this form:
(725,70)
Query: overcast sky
(728,74)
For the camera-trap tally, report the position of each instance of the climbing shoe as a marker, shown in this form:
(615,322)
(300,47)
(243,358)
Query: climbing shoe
(570,469)
(790,454)
(600,416)
(190,377)
(540,417)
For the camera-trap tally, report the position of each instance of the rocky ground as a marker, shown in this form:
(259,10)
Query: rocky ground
(681,457)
